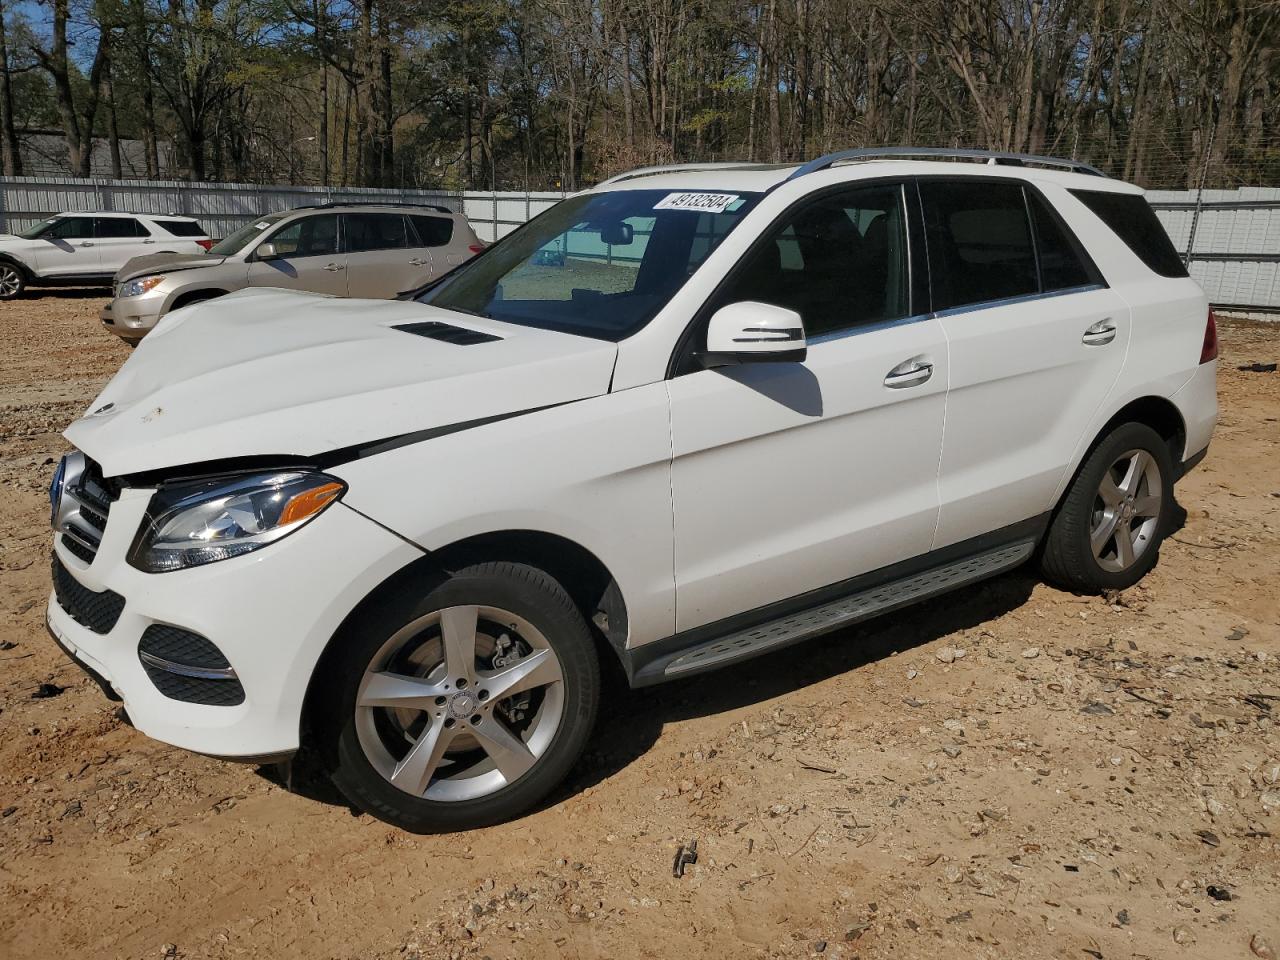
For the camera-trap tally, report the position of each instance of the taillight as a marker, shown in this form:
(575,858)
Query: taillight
(207,244)
(1210,349)
(476,248)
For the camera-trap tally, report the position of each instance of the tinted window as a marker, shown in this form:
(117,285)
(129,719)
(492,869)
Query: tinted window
(70,228)
(116,227)
(182,228)
(433,231)
(1063,261)
(979,242)
(839,262)
(1133,220)
(308,236)
(599,265)
(374,231)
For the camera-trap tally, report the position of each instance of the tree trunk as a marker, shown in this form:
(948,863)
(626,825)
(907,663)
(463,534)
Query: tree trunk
(10,149)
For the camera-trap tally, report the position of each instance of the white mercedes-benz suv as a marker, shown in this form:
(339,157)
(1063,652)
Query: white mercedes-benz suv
(688,417)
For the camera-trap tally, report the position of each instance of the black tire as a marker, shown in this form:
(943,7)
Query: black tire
(524,591)
(1067,558)
(13,280)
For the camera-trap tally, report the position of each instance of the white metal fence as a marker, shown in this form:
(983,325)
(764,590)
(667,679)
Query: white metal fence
(1235,250)
(222,208)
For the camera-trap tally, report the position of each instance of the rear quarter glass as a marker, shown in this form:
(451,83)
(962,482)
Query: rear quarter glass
(1133,221)
(181,228)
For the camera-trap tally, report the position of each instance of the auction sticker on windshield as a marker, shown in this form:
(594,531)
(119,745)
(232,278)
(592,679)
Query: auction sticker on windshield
(701,202)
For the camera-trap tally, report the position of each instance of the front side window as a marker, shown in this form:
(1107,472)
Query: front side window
(62,228)
(598,265)
(246,235)
(308,237)
(116,228)
(839,261)
(374,231)
(979,238)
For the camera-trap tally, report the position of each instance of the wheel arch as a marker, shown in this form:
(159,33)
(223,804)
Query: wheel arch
(1158,413)
(27,273)
(197,295)
(582,574)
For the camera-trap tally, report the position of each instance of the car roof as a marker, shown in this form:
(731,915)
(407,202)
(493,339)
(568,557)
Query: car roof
(760,178)
(124,213)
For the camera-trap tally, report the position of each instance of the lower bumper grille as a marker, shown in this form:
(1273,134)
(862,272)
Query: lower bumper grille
(186,666)
(96,611)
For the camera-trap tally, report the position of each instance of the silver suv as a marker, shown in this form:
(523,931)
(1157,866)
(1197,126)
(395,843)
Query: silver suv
(372,251)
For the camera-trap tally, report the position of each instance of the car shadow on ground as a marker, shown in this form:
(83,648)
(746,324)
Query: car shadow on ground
(631,721)
(64,293)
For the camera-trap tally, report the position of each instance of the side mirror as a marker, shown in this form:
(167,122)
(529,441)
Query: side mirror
(617,234)
(752,332)
(266,251)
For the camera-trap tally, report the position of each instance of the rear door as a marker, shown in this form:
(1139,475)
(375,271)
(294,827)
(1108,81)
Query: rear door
(382,259)
(1036,340)
(67,249)
(791,477)
(307,257)
(438,243)
(119,240)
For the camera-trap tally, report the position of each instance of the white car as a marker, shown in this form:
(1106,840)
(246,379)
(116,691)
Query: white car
(86,249)
(688,417)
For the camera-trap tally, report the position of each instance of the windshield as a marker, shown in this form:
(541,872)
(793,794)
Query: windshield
(35,231)
(242,237)
(599,265)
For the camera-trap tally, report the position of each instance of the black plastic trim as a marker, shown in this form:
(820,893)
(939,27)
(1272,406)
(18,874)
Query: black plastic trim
(645,665)
(107,690)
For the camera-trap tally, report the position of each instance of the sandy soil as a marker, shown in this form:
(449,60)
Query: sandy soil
(1092,778)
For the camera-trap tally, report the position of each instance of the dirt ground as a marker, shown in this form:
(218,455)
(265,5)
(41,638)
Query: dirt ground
(1010,771)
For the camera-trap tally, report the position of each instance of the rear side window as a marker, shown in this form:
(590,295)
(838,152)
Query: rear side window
(1063,261)
(980,244)
(374,231)
(117,227)
(432,231)
(181,228)
(1134,222)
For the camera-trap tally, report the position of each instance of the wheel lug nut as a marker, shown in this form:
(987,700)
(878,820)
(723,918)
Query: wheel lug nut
(440,701)
(461,684)
(484,694)
(476,718)
(448,722)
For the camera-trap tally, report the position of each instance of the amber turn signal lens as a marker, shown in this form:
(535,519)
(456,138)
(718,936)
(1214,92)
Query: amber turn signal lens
(309,502)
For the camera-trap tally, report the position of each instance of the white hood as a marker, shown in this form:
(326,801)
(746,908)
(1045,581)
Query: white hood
(271,372)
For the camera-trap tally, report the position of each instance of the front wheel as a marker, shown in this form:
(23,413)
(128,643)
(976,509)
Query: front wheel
(467,706)
(12,281)
(1108,530)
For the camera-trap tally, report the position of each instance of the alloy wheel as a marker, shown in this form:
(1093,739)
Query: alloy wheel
(10,281)
(460,703)
(1126,511)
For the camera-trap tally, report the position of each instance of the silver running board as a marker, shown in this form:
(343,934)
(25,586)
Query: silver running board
(851,609)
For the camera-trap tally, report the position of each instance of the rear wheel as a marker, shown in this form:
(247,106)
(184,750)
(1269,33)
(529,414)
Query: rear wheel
(12,281)
(466,707)
(1109,527)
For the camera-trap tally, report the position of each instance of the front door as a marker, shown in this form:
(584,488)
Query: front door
(1037,342)
(67,249)
(788,477)
(307,257)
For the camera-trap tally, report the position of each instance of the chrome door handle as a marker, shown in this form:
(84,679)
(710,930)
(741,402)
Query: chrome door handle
(87,243)
(909,373)
(331,267)
(148,241)
(415,262)
(1102,332)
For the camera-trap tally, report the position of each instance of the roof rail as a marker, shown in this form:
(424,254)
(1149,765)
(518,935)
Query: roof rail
(675,168)
(327,204)
(994,157)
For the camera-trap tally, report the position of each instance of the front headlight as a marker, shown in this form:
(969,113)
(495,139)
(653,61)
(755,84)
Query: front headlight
(136,288)
(193,524)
